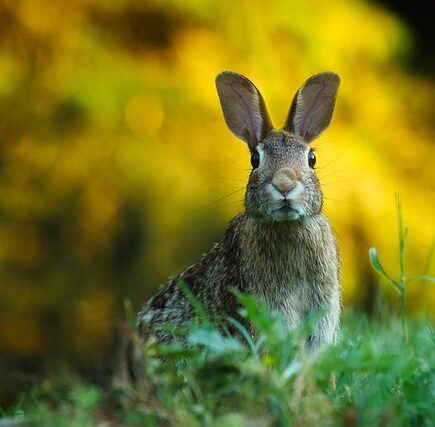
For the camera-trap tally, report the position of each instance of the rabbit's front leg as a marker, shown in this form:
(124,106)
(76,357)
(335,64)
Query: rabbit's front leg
(326,330)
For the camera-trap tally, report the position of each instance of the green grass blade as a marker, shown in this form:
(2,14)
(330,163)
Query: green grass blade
(200,312)
(376,264)
(246,335)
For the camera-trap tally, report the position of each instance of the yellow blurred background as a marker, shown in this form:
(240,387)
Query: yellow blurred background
(115,159)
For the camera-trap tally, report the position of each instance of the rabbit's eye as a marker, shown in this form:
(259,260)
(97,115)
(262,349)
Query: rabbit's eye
(311,159)
(255,159)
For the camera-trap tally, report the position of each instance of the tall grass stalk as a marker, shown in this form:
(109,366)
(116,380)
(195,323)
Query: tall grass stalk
(403,234)
(400,285)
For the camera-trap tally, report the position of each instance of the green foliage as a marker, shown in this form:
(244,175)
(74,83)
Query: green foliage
(211,379)
(400,285)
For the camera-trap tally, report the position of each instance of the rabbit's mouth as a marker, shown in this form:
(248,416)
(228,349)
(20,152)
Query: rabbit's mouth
(286,208)
(286,212)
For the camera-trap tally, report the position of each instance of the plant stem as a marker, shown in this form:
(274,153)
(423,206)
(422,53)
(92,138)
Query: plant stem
(403,232)
(401,238)
(403,317)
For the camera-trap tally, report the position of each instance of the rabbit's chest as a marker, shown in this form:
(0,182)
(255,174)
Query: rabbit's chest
(286,279)
(291,269)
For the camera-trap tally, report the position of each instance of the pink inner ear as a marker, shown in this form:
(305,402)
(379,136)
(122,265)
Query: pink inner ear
(243,107)
(314,105)
(309,105)
(246,110)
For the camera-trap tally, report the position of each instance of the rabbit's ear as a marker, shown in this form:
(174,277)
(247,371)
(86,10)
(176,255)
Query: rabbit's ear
(243,107)
(313,105)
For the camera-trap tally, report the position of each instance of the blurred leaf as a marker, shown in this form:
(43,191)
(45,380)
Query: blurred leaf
(209,337)
(373,255)
(200,313)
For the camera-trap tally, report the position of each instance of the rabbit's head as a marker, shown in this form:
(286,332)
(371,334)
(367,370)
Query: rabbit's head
(283,184)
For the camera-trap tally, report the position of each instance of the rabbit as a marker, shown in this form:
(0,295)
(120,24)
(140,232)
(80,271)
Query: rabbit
(281,249)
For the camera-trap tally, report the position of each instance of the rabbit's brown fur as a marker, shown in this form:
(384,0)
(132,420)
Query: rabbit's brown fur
(281,248)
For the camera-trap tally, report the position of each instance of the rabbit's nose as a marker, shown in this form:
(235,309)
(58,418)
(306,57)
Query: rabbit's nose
(285,180)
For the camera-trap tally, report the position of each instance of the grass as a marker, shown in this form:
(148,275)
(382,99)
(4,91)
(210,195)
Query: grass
(381,372)
(370,377)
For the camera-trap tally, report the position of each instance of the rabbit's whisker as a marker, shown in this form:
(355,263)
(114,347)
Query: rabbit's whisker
(224,178)
(334,182)
(223,198)
(233,203)
(334,173)
(334,159)
(337,200)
